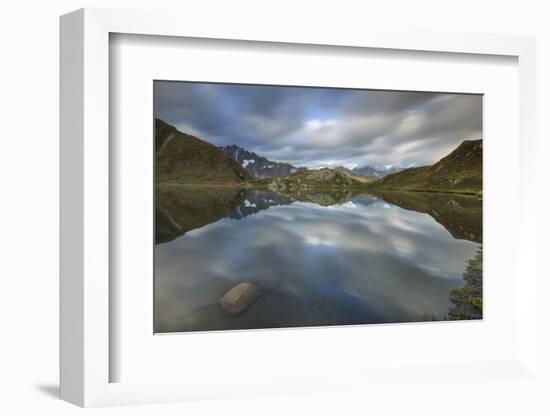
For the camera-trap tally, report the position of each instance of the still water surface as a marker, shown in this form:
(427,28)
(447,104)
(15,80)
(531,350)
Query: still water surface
(315,259)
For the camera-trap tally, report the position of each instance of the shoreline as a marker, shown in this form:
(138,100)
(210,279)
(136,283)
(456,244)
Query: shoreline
(368,190)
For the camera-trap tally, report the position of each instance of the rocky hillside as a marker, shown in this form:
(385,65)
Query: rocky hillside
(312,179)
(343,169)
(460,171)
(182,158)
(354,174)
(259,166)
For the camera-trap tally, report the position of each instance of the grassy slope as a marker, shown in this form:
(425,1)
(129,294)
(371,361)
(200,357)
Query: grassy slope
(182,158)
(458,172)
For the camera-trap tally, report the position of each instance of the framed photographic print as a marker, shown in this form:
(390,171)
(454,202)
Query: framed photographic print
(282,206)
(268,212)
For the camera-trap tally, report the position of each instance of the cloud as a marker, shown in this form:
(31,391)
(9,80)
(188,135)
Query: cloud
(318,126)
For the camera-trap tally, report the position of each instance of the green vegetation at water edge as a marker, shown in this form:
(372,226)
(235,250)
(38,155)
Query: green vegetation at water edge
(468,300)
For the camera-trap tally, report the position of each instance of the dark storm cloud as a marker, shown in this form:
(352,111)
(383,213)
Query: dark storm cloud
(323,127)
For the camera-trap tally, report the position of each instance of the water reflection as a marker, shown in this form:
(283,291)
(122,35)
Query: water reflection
(460,215)
(320,258)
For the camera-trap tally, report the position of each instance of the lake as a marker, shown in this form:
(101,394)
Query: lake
(312,259)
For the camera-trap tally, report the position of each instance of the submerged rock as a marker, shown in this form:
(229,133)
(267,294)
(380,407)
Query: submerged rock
(239,298)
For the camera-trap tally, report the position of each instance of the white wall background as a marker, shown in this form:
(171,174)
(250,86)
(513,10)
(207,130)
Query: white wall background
(29,206)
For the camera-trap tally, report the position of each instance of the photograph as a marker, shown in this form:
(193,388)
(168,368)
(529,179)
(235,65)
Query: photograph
(299,206)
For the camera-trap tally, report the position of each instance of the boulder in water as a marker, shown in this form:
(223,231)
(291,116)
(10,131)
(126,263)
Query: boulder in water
(239,298)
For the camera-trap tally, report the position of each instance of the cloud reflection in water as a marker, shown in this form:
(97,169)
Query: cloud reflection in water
(362,261)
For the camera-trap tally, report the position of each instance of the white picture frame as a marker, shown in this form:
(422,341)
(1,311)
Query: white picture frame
(85,209)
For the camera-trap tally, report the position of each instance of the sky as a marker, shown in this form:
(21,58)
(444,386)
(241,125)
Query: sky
(323,127)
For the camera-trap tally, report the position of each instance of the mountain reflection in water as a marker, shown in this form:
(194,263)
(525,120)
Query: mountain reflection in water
(315,258)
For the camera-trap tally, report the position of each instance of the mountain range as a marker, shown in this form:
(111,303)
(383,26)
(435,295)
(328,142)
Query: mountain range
(369,171)
(259,166)
(186,159)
